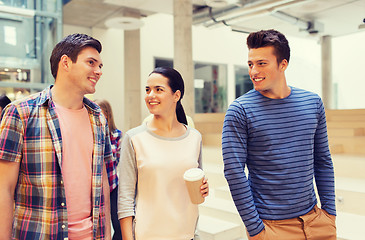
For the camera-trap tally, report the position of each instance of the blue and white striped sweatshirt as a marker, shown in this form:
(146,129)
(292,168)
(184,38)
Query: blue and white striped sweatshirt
(283,143)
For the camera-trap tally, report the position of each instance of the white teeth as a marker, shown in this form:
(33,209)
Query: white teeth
(258,79)
(153,103)
(93,80)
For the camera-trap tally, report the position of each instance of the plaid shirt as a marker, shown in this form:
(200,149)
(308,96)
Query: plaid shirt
(30,134)
(111,167)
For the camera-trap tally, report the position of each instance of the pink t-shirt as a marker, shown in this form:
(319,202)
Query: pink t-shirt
(77,149)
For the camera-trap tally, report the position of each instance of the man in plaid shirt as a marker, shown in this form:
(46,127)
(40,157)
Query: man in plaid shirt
(54,146)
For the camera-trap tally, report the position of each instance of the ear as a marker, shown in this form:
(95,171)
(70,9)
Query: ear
(65,63)
(283,65)
(177,95)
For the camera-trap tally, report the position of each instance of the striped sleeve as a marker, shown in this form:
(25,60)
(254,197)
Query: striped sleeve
(323,167)
(234,149)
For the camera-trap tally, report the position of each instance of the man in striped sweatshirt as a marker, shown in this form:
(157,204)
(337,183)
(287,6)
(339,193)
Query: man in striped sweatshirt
(279,133)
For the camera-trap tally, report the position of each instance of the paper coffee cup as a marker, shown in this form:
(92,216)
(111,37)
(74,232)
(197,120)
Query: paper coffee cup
(193,179)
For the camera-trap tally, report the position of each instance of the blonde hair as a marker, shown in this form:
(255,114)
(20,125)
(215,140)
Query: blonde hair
(107,111)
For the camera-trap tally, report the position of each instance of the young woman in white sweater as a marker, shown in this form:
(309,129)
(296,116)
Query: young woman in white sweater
(153,200)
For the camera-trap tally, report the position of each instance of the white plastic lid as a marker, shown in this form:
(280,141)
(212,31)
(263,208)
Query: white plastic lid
(193,174)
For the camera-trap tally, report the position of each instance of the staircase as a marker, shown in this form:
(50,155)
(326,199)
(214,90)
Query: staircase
(219,218)
(346,136)
(346,131)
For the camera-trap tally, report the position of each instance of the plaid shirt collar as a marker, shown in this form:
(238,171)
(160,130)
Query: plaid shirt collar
(46,99)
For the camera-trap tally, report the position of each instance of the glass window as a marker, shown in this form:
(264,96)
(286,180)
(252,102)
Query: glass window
(210,83)
(18,37)
(161,62)
(16,93)
(16,3)
(27,38)
(210,88)
(13,75)
(15,83)
(243,81)
(43,5)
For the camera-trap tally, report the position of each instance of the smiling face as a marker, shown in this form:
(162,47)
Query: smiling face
(86,71)
(266,74)
(159,98)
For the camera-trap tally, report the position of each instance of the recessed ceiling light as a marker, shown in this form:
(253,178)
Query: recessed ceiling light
(125,23)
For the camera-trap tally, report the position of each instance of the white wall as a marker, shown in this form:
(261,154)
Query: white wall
(156,41)
(304,70)
(349,70)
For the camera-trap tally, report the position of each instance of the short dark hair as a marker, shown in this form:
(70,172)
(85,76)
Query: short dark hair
(71,46)
(175,82)
(271,37)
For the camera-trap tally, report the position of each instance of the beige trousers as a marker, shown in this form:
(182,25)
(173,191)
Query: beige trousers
(315,225)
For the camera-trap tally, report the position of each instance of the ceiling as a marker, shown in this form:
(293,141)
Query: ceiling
(301,18)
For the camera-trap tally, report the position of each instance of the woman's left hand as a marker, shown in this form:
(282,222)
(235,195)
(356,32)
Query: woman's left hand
(204,188)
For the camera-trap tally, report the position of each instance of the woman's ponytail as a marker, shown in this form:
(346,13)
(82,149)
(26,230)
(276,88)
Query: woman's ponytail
(180,113)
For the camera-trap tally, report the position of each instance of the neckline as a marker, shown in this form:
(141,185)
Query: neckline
(64,109)
(168,138)
(278,99)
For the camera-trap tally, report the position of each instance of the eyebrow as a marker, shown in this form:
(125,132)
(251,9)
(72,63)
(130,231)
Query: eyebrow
(157,86)
(259,60)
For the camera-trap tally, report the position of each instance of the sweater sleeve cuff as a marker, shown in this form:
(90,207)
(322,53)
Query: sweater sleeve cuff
(256,229)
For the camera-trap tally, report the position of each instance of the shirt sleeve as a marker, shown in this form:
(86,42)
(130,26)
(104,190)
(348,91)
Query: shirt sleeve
(110,165)
(11,135)
(127,179)
(234,149)
(323,166)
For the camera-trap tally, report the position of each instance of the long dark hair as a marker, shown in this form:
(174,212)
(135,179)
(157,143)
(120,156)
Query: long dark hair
(175,82)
